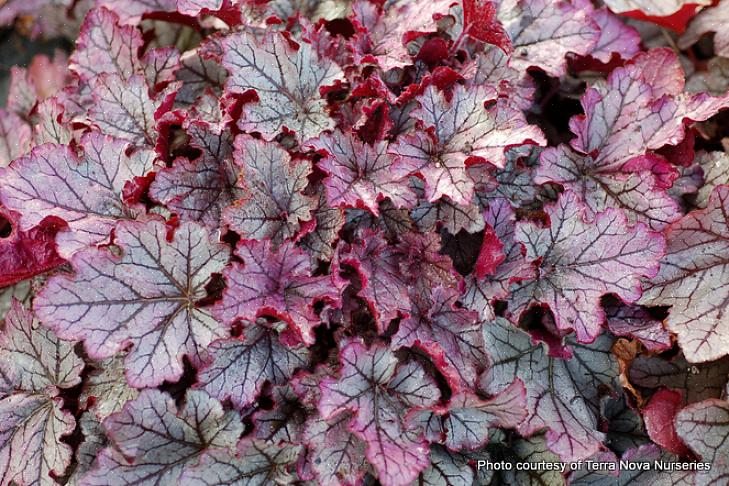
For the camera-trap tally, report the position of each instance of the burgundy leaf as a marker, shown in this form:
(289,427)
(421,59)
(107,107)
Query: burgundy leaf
(24,254)
(277,284)
(145,297)
(658,415)
(238,368)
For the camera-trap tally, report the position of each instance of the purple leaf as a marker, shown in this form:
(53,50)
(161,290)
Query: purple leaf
(238,368)
(465,424)
(378,266)
(715,166)
(287,83)
(638,195)
(628,115)
(84,190)
(94,440)
(379,393)
(320,242)
(449,334)
(562,395)
(448,469)
(615,37)
(195,7)
(457,129)
(481,292)
(198,73)
(277,284)
(712,19)
(131,11)
(284,422)
(271,204)
(543,32)
(655,8)
(579,261)
(155,442)
(445,213)
(105,47)
(492,68)
(360,175)
(123,108)
(160,65)
(643,473)
(145,297)
(634,321)
(691,280)
(198,190)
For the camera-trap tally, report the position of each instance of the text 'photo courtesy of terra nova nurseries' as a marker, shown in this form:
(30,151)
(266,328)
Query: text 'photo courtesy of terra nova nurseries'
(364,242)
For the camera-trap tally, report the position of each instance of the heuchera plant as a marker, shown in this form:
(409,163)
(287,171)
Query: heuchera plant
(350,242)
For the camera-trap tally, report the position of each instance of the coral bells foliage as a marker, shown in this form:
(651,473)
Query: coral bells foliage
(352,242)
